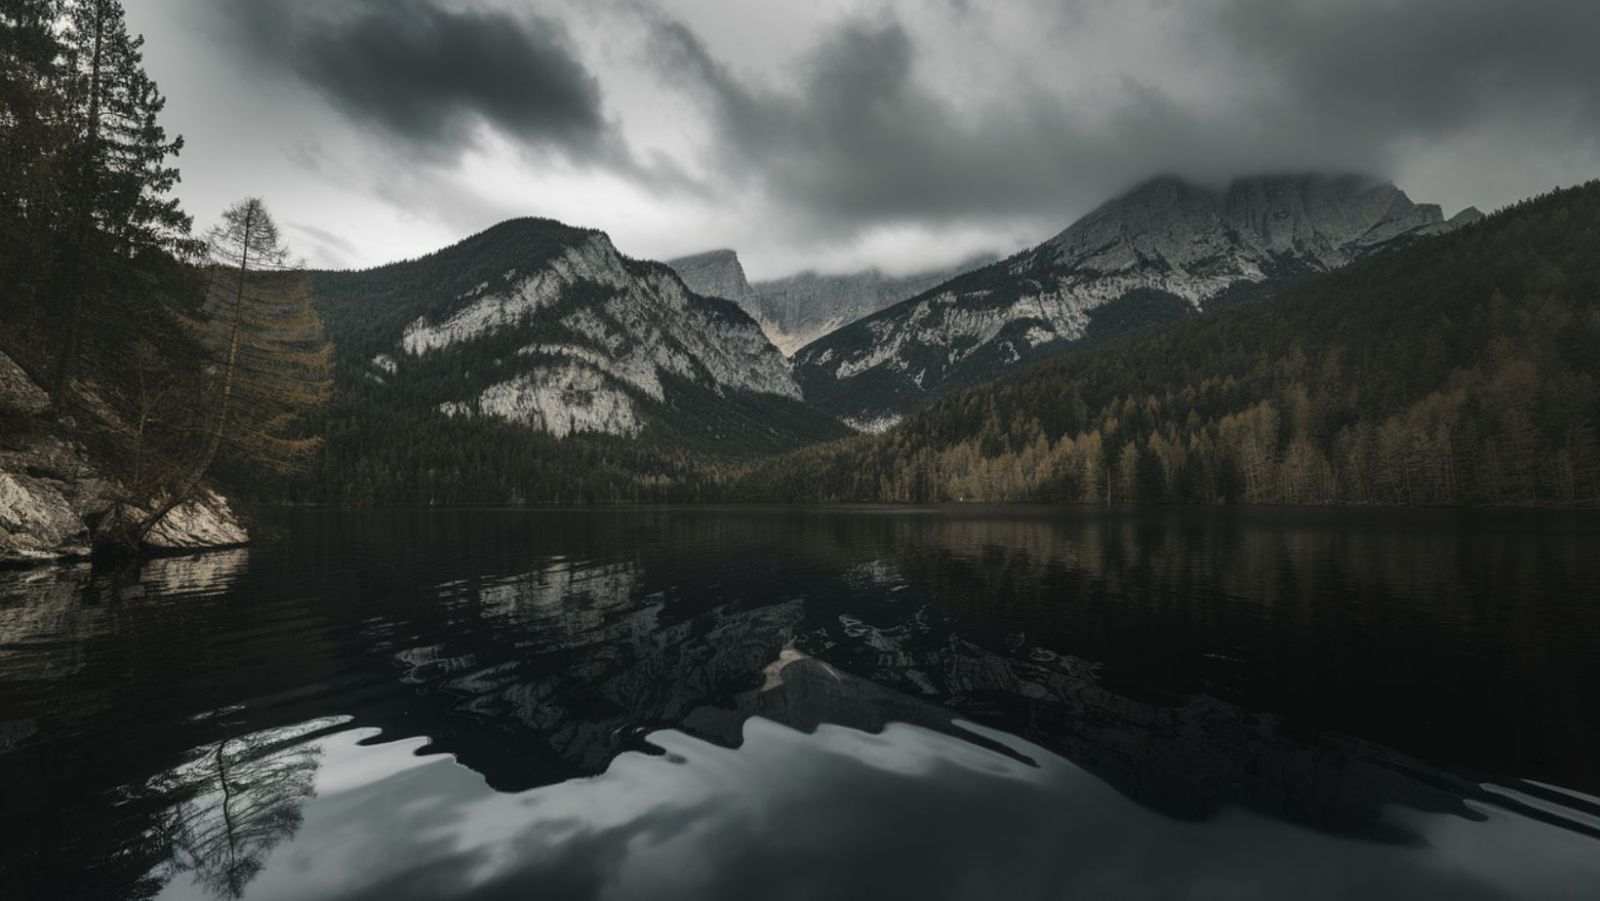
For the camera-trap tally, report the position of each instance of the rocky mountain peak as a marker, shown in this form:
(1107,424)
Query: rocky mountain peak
(797,309)
(1169,244)
(550,327)
(715,273)
(1325,220)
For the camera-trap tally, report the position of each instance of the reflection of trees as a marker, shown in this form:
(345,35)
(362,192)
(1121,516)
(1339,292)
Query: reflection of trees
(536,646)
(240,797)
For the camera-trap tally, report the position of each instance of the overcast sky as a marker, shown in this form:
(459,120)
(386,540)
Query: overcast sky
(837,134)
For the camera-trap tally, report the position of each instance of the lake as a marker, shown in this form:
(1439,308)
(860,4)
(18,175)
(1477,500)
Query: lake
(1004,702)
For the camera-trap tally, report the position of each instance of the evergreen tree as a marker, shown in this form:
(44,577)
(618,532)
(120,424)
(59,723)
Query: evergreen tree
(273,369)
(1462,369)
(119,225)
(32,133)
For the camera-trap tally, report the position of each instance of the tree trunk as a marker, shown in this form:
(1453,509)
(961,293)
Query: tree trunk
(230,368)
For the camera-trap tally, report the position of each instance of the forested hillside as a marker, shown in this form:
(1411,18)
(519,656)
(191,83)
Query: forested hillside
(1460,370)
(1201,244)
(140,360)
(534,363)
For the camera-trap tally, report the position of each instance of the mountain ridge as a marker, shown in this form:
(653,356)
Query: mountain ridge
(1461,370)
(1165,235)
(797,309)
(545,343)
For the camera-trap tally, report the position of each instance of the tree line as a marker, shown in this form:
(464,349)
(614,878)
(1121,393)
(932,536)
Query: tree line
(1460,370)
(167,352)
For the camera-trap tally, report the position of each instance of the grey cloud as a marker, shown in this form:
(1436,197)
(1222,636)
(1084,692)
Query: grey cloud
(329,250)
(863,141)
(420,71)
(859,140)
(1423,67)
(1460,93)
(428,74)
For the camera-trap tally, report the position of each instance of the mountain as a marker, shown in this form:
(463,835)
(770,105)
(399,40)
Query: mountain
(798,309)
(1162,251)
(716,273)
(1461,369)
(540,342)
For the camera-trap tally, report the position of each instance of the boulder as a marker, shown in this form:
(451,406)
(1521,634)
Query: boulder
(19,396)
(52,490)
(37,523)
(204,522)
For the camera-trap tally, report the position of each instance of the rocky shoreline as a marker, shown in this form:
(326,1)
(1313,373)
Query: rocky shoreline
(55,497)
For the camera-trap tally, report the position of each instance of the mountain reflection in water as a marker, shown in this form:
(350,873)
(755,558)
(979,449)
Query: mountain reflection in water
(704,703)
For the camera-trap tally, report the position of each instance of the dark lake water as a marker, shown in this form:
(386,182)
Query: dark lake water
(699,703)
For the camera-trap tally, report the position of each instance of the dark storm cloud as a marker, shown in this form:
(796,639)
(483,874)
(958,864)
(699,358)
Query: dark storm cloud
(905,124)
(428,75)
(1424,66)
(422,72)
(858,138)
(862,139)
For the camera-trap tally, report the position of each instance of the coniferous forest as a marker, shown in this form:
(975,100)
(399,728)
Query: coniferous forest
(170,360)
(1453,370)
(1459,370)
(488,449)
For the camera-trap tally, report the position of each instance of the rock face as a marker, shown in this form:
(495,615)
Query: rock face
(566,336)
(53,492)
(206,521)
(1166,238)
(19,396)
(37,522)
(799,309)
(802,308)
(716,273)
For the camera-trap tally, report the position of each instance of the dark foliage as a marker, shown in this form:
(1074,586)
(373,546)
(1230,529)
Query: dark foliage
(1459,370)
(386,439)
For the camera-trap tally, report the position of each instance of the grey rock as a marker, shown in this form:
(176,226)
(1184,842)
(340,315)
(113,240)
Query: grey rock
(802,308)
(53,493)
(798,309)
(1325,220)
(204,522)
(715,273)
(19,396)
(37,523)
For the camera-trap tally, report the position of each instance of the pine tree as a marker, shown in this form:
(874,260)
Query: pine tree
(273,366)
(32,132)
(114,171)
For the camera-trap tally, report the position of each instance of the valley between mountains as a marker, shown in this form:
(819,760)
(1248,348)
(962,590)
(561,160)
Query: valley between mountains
(535,363)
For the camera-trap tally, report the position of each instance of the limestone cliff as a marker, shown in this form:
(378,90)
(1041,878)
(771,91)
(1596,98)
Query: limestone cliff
(55,494)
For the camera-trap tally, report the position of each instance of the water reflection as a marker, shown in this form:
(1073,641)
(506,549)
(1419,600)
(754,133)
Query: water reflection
(839,813)
(229,804)
(742,698)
